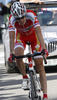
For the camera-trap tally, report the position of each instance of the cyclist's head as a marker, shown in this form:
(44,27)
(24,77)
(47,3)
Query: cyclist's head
(18,10)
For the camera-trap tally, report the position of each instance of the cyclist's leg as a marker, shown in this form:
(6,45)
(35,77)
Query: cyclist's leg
(39,65)
(19,50)
(41,71)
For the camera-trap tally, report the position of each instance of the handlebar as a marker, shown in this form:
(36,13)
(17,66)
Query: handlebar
(29,55)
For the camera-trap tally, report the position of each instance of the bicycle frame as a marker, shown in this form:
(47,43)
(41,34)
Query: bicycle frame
(35,88)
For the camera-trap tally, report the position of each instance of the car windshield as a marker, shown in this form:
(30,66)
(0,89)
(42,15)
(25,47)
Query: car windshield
(47,16)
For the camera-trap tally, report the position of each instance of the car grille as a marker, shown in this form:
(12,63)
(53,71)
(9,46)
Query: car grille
(52,46)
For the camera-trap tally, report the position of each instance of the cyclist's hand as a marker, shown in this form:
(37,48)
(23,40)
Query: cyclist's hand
(10,59)
(45,52)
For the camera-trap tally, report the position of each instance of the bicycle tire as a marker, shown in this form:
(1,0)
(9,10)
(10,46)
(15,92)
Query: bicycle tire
(34,95)
(32,86)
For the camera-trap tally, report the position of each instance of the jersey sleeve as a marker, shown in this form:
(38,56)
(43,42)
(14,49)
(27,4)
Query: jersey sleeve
(36,22)
(11,23)
(34,18)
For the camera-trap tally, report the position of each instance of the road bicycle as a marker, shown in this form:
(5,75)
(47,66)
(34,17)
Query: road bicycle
(35,87)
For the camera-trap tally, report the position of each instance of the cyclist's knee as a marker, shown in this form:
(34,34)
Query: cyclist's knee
(40,69)
(19,60)
(39,65)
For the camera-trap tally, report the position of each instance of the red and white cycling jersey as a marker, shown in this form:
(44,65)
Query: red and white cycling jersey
(28,28)
(27,32)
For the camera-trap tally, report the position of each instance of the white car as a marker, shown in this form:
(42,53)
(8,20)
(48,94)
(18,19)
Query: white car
(48,20)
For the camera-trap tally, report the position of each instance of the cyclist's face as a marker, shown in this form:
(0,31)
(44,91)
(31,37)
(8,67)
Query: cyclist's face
(21,20)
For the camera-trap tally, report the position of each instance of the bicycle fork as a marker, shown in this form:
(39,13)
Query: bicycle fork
(34,82)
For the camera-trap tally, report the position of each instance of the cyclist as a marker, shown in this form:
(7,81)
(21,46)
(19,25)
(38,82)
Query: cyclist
(24,26)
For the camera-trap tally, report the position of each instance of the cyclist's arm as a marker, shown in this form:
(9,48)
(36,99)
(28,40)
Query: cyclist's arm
(38,29)
(40,37)
(12,40)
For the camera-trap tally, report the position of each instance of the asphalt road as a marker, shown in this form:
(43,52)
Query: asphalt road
(11,84)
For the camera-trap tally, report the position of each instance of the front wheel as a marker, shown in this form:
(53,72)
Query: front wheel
(33,93)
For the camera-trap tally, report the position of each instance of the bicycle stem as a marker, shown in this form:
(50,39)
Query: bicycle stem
(30,64)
